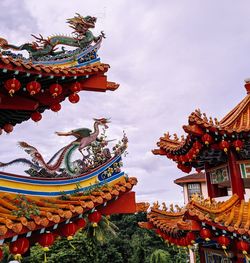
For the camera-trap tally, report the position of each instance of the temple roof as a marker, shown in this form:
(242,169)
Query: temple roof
(50,211)
(191,178)
(19,107)
(232,215)
(204,135)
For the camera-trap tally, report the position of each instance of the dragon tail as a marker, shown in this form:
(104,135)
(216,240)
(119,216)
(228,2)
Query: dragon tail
(20,160)
(5,45)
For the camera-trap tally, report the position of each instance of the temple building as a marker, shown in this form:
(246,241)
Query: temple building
(60,196)
(220,224)
(193,184)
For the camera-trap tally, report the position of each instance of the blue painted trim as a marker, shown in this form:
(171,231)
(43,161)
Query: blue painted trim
(87,63)
(58,193)
(59,182)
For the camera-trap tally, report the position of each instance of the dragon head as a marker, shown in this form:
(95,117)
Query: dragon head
(102,121)
(81,24)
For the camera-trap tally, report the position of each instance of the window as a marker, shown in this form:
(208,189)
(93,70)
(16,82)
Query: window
(194,188)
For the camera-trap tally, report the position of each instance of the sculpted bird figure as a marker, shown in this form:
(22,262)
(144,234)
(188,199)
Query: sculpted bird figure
(85,136)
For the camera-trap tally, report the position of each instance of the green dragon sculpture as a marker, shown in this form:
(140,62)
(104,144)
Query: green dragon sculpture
(83,37)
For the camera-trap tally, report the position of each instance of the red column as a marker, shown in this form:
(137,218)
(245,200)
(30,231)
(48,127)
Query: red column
(211,188)
(237,183)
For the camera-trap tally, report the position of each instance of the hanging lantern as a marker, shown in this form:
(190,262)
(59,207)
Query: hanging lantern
(76,87)
(74,98)
(69,230)
(205,234)
(207,139)
(55,89)
(191,237)
(95,218)
(56,107)
(46,240)
(33,87)
(19,247)
(224,241)
(80,223)
(197,146)
(36,116)
(238,145)
(224,145)
(244,247)
(8,128)
(12,85)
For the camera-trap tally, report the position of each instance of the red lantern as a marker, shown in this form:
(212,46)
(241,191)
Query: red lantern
(74,98)
(224,145)
(76,87)
(243,246)
(69,230)
(238,145)
(46,240)
(36,116)
(33,87)
(80,223)
(197,146)
(8,128)
(12,85)
(223,241)
(56,107)
(95,218)
(207,138)
(55,89)
(205,234)
(19,247)
(191,237)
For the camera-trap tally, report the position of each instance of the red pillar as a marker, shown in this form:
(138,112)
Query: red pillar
(211,188)
(237,183)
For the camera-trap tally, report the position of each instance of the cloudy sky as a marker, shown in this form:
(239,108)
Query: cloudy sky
(170,57)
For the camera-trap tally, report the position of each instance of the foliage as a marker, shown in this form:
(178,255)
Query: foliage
(130,244)
(160,256)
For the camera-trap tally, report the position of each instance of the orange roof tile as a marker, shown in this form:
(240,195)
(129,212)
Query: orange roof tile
(46,212)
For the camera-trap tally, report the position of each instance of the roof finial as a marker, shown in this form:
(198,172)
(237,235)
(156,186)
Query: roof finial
(247,85)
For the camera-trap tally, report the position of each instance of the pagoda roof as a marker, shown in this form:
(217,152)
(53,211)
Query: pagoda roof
(232,216)
(193,147)
(191,178)
(51,211)
(19,107)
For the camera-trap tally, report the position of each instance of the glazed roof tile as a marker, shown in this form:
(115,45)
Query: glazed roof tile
(232,215)
(50,211)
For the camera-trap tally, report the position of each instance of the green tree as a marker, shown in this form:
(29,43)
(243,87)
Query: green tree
(160,256)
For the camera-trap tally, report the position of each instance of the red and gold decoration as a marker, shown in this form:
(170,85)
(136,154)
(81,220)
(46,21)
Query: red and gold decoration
(19,247)
(36,116)
(8,128)
(46,240)
(243,247)
(12,85)
(224,241)
(56,107)
(33,87)
(74,98)
(94,218)
(76,87)
(55,89)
